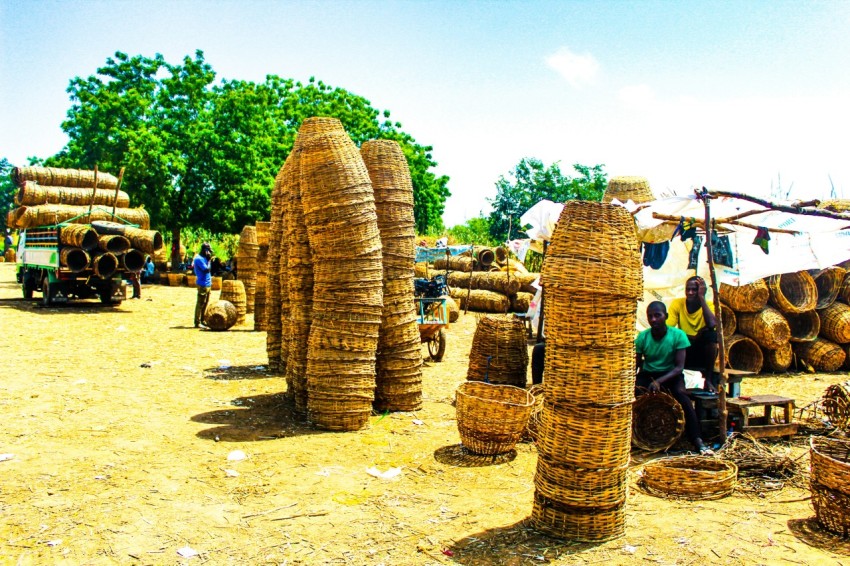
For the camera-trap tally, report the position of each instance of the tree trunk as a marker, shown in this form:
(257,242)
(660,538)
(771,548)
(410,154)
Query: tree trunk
(175,250)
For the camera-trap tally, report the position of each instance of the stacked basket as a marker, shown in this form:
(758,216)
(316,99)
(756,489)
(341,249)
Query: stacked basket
(276,258)
(399,356)
(262,275)
(830,483)
(592,280)
(342,227)
(233,291)
(499,352)
(624,189)
(246,263)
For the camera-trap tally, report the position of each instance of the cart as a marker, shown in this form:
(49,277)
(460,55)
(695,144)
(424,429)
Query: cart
(433,318)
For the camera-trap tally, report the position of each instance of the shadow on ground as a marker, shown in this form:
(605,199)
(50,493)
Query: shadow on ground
(811,533)
(256,418)
(457,455)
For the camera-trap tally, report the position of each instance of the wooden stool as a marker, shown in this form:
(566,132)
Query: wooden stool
(764,427)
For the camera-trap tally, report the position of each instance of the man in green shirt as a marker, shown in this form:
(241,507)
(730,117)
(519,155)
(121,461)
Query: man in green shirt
(660,359)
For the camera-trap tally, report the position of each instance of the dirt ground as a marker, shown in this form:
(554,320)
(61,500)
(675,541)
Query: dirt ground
(121,420)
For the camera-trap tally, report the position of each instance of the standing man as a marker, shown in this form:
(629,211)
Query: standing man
(695,317)
(203,279)
(660,359)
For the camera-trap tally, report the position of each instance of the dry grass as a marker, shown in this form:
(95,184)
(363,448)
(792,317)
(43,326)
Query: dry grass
(121,421)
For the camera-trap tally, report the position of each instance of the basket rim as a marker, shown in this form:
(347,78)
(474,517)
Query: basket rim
(529,396)
(827,440)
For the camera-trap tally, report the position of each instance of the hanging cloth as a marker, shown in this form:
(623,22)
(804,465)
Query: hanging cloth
(763,239)
(693,256)
(654,255)
(686,229)
(721,250)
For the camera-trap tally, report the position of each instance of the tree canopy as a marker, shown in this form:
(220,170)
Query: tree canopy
(200,154)
(7,191)
(529,183)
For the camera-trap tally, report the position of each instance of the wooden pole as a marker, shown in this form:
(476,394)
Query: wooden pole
(540,308)
(117,188)
(671,218)
(93,191)
(706,197)
(798,209)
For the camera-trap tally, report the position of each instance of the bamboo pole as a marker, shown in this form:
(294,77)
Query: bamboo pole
(797,209)
(701,223)
(117,188)
(706,197)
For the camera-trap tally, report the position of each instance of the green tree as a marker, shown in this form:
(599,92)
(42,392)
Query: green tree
(474,231)
(7,192)
(529,183)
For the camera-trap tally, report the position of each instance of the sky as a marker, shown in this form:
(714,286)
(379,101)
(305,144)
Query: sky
(749,96)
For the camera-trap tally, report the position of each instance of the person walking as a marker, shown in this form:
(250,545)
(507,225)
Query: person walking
(203,280)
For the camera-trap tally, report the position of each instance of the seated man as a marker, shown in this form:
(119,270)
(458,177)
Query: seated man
(660,359)
(695,317)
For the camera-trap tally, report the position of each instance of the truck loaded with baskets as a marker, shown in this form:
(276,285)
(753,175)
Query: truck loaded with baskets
(77,237)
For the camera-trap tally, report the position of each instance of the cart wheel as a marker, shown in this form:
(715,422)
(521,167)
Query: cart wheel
(46,295)
(437,345)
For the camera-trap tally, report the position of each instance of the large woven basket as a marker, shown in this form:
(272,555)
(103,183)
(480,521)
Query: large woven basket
(793,292)
(625,188)
(479,300)
(689,477)
(835,323)
(767,327)
(54,176)
(498,281)
(746,298)
(602,376)
(591,320)
(221,315)
(822,354)
(830,483)
(779,359)
(658,421)
(581,487)
(743,353)
(828,282)
(730,321)
(804,326)
(836,405)
(233,291)
(583,524)
(176,279)
(491,419)
(499,352)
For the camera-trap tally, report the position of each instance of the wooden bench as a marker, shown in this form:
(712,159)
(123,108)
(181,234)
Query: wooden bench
(766,426)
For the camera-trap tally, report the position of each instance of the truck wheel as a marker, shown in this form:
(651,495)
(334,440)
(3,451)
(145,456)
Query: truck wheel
(437,346)
(46,295)
(27,287)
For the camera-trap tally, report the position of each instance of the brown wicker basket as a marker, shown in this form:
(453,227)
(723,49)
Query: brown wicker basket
(778,360)
(689,477)
(751,297)
(479,300)
(625,188)
(54,176)
(602,376)
(730,321)
(79,235)
(521,302)
(804,326)
(233,291)
(581,487)
(75,259)
(590,320)
(835,323)
(767,327)
(658,421)
(830,483)
(582,524)
(744,354)
(491,418)
(454,263)
(828,282)
(499,352)
(498,281)
(176,279)
(822,354)
(836,405)
(221,315)
(793,292)
(32,194)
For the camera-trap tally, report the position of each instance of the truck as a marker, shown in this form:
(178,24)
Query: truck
(50,263)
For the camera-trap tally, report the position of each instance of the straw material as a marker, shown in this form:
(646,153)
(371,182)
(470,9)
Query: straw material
(104,264)
(751,297)
(33,194)
(835,323)
(804,326)
(821,354)
(454,263)
(262,232)
(513,266)
(767,327)
(584,524)
(730,321)
(221,315)
(594,250)
(233,291)
(585,436)
(828,282)
(830,483)
(501,254)
(132,260)
(658,421)
(78,235)
(778,360)
(75,259)
(581,487)
(56,177)
(521,302)
(277,314)
(835,205)
(598,376)
(49,214)
(453,308)
(148,241)
(114,244)
(485,258)
(793,292)
(478,300)
(491,418)
(499,352)
(743,353)
(689,477)
(589,319)
(836,405)
(498,281)
(176,279)
(624,188)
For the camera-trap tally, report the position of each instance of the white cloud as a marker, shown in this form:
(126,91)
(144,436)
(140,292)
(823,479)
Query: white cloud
(637,96)
(578,69)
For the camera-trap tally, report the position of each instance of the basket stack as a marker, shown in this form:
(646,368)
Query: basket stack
(233,291)
(493,291)
(399,355)
(246,264)
(830,483)
(592,280)
(342,228)
(277,259)
(262,275)
(499,353)
(623,189)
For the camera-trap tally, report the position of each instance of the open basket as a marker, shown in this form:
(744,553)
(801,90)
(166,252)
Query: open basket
(689,477)
(491,419)
(658,421)
(830,483)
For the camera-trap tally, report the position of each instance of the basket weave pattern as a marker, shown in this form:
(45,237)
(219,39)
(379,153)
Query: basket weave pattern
(491,418)
(499,352)
(830,483)
(690,477)
(233,291)
(591,278)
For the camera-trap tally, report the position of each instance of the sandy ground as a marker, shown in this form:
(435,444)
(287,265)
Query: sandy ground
(121,421)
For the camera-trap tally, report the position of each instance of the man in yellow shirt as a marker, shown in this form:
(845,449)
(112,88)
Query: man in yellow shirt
(696,318)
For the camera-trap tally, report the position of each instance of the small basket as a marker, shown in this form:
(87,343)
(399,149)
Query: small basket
(658,421)
(835,323)
(793,292)
(491,418)
(176,279)
(836,404)
(746,298)
(689,477)
(743,353)
(830,485)
(625,188)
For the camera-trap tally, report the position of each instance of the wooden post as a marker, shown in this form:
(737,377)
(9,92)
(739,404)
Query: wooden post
(540,308)
(721,386)
(117,188)
(93,191)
